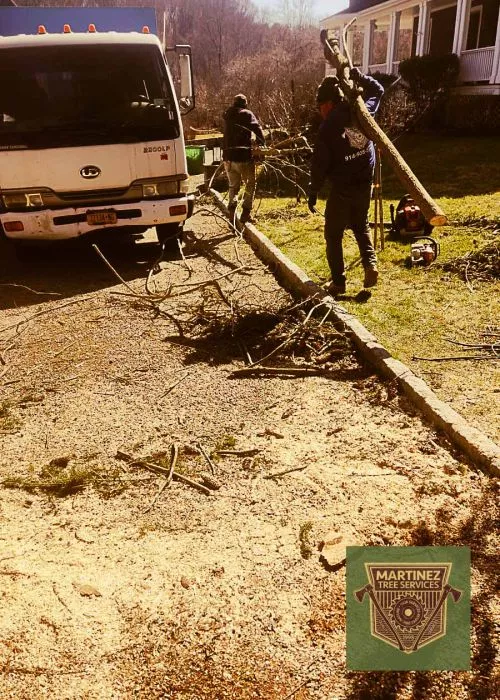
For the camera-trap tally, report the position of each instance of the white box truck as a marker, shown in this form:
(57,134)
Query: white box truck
(91,137)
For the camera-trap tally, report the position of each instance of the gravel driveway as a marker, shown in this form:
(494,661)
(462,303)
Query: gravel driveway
(108,593)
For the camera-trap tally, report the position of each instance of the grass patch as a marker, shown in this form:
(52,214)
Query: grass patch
(8,422)
(306,544)
(57,480)
(413,312)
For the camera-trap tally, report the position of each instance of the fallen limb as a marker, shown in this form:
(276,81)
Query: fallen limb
(431,211)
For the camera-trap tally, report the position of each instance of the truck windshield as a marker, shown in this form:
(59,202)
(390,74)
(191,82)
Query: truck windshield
(59,96)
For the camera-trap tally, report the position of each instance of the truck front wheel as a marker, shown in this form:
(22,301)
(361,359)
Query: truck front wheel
(168,235)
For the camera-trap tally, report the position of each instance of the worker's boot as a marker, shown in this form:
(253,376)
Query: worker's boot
(336,289)
(232,210)
(246,216)
(371,276)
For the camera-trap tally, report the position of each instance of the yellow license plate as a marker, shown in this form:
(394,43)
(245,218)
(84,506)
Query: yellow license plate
(101,218)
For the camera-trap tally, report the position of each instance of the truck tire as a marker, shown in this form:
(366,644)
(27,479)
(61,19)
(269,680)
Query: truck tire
(168,235)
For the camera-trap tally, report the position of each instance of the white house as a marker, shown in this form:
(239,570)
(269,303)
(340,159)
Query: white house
(388,31)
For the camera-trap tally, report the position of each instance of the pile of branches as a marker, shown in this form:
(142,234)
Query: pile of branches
(279,341)
(482,265)
(301,340)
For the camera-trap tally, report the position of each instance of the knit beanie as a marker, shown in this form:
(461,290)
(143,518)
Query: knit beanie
(329,91)
(240,101)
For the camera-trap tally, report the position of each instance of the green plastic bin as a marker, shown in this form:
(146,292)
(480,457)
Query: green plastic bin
(194,155)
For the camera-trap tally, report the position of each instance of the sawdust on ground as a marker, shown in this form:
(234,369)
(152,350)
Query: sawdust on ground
(219,596)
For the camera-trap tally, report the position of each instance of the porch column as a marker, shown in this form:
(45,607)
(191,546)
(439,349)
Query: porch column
(367,45)
(461,26)
(392,40)
(423,28)
(495,71)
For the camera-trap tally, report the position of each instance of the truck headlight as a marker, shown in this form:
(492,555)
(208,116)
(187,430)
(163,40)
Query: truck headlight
(34,199)
(150,190)
(23,200)
(162,188)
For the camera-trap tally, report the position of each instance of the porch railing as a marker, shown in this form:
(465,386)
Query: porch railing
(476,64)
(378,68)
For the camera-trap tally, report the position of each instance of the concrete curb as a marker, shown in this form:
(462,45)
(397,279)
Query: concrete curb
(483,451)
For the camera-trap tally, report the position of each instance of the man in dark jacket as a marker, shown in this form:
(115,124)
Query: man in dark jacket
(239,125)
(346,157)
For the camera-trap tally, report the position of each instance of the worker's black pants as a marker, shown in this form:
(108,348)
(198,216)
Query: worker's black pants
(347,207)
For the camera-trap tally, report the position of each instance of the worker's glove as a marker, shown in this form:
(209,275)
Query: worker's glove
(258,154)
(311,203)
(355,75)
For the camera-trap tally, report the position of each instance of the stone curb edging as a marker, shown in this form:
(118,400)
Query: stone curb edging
(483,451)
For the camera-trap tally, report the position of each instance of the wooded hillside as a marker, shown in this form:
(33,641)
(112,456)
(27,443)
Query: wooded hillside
(238,48)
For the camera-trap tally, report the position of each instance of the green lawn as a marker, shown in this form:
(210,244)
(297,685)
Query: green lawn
(412,312)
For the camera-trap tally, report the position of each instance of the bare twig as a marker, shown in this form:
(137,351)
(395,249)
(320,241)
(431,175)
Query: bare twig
(245,351)
(207,457)
(287,471)
(239,453)
(33,291)
(67,347)
(194,286)
(116,274)
(58,596)
(172,386)
(156,468)
(296,371)
(469,285)
(174,454)
(459,357)
(296,690)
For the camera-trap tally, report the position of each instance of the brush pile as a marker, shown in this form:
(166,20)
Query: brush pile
(289,337)
(482,265)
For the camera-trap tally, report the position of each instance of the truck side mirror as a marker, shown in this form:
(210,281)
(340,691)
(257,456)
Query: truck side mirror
(186,97)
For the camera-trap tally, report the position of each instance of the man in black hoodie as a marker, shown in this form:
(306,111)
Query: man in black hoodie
(345,156)
(239,124)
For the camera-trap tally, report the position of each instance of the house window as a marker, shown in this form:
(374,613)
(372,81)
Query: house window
(474,27)
(441,31)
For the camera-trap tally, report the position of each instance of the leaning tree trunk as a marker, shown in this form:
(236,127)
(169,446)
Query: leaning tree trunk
(432,212)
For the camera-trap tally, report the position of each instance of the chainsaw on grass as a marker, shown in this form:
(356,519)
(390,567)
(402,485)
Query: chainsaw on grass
(423,252)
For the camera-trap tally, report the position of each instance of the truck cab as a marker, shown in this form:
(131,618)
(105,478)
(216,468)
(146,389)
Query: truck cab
(90,136)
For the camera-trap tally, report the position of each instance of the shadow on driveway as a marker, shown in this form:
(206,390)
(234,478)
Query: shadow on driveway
(63,269)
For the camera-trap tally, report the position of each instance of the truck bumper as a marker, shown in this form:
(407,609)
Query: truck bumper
(60,224)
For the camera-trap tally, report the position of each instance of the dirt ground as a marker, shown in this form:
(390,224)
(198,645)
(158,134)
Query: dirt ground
(108,594)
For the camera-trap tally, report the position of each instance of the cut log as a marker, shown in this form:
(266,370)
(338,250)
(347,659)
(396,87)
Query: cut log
(431,211)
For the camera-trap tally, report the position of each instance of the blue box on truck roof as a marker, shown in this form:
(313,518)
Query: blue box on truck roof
(26,20)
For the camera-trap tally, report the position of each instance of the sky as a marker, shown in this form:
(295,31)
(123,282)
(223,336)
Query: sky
(321,8)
